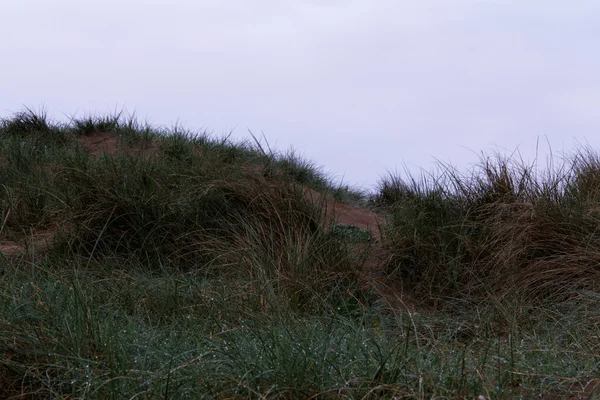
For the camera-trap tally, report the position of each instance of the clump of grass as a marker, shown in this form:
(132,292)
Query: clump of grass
(505,230)
(26,123)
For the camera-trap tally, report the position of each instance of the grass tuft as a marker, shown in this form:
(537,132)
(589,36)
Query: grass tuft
(506,230)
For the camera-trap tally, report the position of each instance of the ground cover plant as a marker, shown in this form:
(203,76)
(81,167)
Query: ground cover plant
(139,262)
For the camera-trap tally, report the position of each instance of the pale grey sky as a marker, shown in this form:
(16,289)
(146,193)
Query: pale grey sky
(358,86)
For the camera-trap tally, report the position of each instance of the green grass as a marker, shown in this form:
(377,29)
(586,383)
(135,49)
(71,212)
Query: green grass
(187,266)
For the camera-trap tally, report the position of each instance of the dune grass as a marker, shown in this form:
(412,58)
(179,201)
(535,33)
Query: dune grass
(186,266)
(507,230)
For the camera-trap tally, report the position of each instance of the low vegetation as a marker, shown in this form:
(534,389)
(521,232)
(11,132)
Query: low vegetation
(139,262)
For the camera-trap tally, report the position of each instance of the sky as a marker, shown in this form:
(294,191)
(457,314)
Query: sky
(360,87)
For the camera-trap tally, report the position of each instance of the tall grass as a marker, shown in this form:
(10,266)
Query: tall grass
(507,230)
(185,266)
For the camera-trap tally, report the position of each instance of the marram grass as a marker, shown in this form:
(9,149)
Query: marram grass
(176,265)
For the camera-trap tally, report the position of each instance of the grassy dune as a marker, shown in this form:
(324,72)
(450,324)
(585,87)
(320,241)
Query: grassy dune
(139,262)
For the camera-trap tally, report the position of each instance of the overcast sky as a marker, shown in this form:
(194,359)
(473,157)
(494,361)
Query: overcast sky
(361,87)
